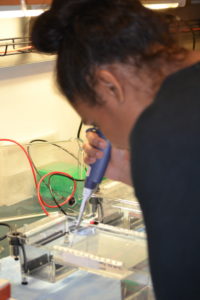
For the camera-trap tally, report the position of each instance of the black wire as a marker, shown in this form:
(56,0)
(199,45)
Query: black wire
(53,144)
(5,225)
(79,130)
(39,175)
(52,191)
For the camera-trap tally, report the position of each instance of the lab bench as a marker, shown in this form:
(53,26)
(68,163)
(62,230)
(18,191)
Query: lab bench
(79,285)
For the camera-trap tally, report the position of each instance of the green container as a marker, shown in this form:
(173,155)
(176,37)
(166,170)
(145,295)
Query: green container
(62,187)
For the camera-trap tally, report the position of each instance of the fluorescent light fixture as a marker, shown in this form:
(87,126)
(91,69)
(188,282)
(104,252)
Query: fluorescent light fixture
(21,13)
(161,5)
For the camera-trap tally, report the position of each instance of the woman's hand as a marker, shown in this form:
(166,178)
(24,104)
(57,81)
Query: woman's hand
(119,165)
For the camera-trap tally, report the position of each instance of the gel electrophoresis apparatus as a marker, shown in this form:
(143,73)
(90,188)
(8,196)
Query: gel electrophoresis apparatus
(51,249)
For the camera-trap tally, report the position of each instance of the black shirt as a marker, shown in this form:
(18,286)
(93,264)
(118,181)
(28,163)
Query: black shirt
(165,154)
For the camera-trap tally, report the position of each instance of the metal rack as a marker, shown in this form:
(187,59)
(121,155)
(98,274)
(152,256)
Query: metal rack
(21,45)
(15,45)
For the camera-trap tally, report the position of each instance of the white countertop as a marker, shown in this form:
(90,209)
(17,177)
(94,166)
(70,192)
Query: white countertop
(79,285)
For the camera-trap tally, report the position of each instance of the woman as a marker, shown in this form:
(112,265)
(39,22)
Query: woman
(121,70)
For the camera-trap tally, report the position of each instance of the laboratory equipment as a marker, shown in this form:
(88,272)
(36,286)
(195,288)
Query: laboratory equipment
(18,198)
(51,249)
(95,174)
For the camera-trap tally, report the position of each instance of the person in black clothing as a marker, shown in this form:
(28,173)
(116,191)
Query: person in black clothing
(121,70)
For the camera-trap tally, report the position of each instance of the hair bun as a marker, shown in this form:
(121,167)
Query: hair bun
(47,32)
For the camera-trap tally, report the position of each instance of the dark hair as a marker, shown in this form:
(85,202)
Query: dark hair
(88,33)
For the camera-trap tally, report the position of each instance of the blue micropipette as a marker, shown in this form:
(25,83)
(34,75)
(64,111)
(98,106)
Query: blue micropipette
(94,175)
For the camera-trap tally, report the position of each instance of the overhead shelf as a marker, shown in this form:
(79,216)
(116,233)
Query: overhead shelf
(15,45)
(11,48)
(29,2)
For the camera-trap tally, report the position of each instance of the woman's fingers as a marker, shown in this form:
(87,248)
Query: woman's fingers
(92,147)
(95,140)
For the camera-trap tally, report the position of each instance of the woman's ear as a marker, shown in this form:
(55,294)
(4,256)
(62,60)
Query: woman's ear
(108,86)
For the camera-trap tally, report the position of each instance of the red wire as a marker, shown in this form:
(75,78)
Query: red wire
(37,185)
(42,202)
(26,153)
